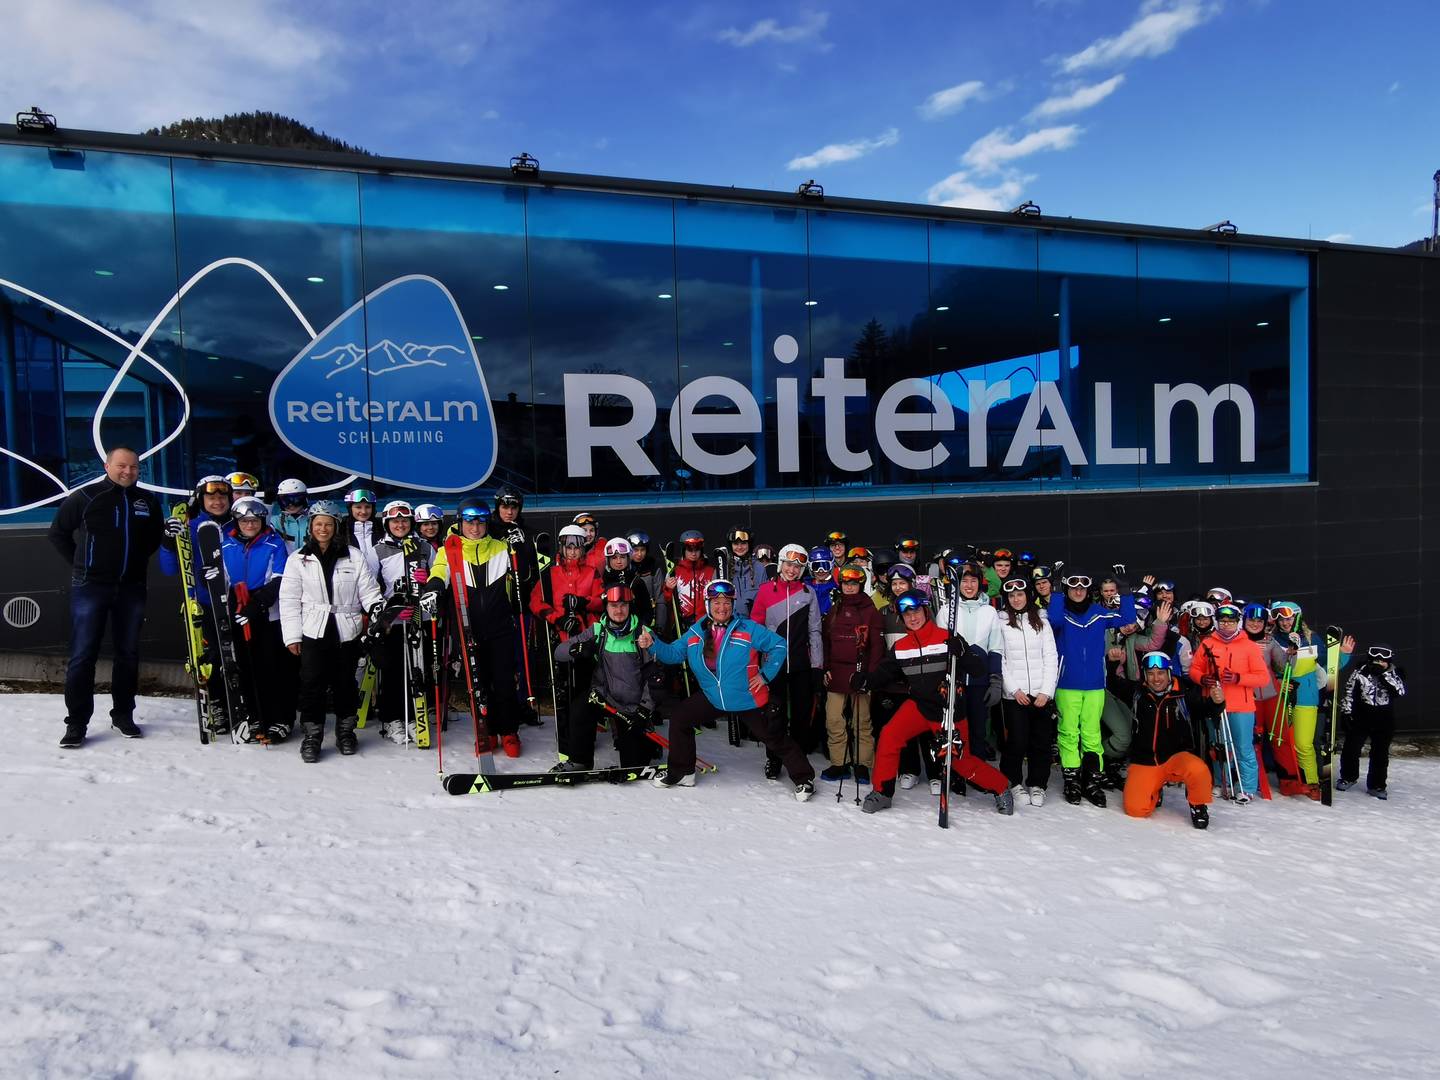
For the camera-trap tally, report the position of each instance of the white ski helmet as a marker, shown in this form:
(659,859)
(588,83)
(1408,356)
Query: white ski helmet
(572,532)
(396,508)
(617,546)
(291,487)
(794,553)
(429,512)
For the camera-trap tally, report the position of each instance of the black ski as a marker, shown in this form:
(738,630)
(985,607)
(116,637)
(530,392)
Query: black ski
(195,660)
(479,783)
(208,537)
(1328,728)
(469,656)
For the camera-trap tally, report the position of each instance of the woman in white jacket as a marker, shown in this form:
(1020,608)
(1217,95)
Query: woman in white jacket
(1029,670)
(325,593)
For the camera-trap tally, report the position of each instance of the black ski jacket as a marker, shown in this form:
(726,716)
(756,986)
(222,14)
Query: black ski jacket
(107,532)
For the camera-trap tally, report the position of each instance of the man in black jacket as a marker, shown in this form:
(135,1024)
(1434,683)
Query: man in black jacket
(107,531)
(1166,747)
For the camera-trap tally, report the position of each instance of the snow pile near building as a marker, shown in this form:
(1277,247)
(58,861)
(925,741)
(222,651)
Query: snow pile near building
(172,910)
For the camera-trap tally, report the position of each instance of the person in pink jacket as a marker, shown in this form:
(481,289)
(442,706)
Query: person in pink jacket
(1230,667)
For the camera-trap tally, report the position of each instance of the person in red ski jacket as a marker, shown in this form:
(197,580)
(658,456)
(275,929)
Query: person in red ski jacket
(567,596)
(692,574)
(594,543)
(854,637)
(922,660)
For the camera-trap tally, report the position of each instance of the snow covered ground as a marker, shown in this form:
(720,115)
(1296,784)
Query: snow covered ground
(172,910)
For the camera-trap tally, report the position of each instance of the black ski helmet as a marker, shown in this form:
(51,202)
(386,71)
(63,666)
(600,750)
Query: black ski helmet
(509,493)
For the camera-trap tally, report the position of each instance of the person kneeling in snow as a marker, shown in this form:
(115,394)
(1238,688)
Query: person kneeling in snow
(734,660)
(1166,745)
(921,659)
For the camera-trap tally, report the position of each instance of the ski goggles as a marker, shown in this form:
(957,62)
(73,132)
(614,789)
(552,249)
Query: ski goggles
(858,553)
(398,510)
(1041,572)
(908,545)
(1158,660)
(1003,553)
(901,570)
(1076,581)
(571,541)
(1015,585)
(583,519)
(1257,611)
(1200,609)
(618,594)
(764,552)
(720,590)
(360,495)
(820,569)
(797,559)
(835,538)
(693,545)
(1227,613)
(475,513)
(912,602)
(243,481)
(1380,652)
(739,536)
(215,487)
(1285,611)
(639,539)
(1165,586)
(291,502)
(852,574)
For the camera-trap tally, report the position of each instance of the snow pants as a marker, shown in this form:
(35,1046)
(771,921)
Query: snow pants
(1143,783)
(1079,725)
(1242,733)
(327,666)
(1025,753)
(696,709)
(1279,741)
(908,722)
(1377,725)
(1305,718)
(586,719)
(838,732)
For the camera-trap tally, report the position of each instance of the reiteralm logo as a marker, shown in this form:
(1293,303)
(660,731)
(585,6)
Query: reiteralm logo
(392,390)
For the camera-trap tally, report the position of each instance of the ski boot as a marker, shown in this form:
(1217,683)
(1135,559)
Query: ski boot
(1345,785)
(346,741)
(314,735)
(1199,816)
(1005,802)
(804,789)
(772,767)
(1090,780)
(1072,786)
(875,802)
(1037,796)
(667,779)
(1113,779)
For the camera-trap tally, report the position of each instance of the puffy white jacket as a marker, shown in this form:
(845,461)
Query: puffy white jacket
(1028,662)
(306,605)
(975,620)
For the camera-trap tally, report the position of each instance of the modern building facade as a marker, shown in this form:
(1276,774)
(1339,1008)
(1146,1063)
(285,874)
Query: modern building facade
(1229,409)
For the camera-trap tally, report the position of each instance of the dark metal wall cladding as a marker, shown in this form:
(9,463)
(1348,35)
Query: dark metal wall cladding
(1351,549)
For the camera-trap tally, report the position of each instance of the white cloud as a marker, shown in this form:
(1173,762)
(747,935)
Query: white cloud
(1081,98)
(1339,238)
(958,189)
(95,64)
(951,100)
(770,30)
(1395,87)
(838,152)
(1157,29)
(991,152)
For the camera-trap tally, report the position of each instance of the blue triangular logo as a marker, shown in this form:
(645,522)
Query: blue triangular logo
(392,390)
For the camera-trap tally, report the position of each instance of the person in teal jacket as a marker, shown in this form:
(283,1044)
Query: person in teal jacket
(733,659)
(1307,679)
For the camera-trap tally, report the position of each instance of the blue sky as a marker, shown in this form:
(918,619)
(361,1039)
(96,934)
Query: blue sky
(1290,118)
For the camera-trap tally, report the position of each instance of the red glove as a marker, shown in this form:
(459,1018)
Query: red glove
(405,615)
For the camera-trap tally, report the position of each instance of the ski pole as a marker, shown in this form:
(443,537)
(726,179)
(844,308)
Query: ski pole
(520,619)
(439,698)
(661,741)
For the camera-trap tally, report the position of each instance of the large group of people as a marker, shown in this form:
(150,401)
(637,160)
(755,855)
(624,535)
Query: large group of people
(886,662)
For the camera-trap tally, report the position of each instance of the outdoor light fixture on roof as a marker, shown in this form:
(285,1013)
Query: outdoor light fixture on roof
(35,120)
(1227,227)
(1027,209)
(810,190)
(524,164)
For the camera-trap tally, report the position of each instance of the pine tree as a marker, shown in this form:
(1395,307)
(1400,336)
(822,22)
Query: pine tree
(256,129)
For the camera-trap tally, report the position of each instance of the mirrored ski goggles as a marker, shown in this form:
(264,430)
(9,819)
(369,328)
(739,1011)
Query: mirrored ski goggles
(583,519)
(618,594)
(694,545)
(858,553)
(1380,652)
(799,560)
(360,495)
(475,513)
(852,574)
(1041,572)
(1015,585)
(740,536)
(1158,660)
(1004,553)
(1227,613)
(1257,611)
(818,568)
(1165,586)
(571,541)
(215,487)
(908,545)
(398,510)
(1076,581)
(720,589)
(243,480)
(911,602)
(835,538)
(1285,611)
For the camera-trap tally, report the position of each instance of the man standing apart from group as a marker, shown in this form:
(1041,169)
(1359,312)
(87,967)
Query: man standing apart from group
(107,531)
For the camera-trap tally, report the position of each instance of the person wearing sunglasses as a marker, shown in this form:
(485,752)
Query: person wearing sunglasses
(854,636)
(483,571)
(288,513)
(978,623)
(788,606)
(325,593)
(1166,746)
(743,568)
(1230,667)
(734,660)
(1029,669)
(1306,653)
(1080,624)
(1369,707)
(922,660)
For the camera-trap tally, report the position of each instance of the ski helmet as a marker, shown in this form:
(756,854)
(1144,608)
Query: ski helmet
(1227,611)
(243,482)
(360,495)
(585,518)
(765,553)
(719,588)
(619,594)
(836,537)
(1218,595)
(472,509)
(572,533)
(907,542)
(397,508)
(638,538)
(1002,553)
(1158,660)
(796,553)
(509,494)
(618,546)
(291,487)
(428,512)
(912,601)
(328,508)
(692,538)
(249,506)
(1257,611)
(213,485)
(901,570)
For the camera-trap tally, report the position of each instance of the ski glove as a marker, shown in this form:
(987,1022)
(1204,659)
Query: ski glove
(516,535)
(994,692)
(860,682)
(420,575)
(174,527)
(571,625)
(583,650)
(574,604)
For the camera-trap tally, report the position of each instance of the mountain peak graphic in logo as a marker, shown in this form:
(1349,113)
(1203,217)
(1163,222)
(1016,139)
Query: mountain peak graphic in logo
(393,390)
